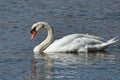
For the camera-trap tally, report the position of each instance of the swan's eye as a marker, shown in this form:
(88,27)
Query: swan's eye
(34,29)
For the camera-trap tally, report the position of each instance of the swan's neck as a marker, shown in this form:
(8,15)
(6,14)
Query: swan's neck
(49,39)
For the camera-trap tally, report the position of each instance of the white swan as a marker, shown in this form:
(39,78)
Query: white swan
(69,43)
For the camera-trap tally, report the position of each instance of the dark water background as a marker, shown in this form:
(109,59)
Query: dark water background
(97,17)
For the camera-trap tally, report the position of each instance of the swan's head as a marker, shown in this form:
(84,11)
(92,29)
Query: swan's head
(36,27)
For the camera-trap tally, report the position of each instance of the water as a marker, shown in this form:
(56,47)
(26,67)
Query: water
(97,17)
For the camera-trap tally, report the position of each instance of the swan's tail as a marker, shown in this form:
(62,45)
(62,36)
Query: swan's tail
(113,40)
(109,42)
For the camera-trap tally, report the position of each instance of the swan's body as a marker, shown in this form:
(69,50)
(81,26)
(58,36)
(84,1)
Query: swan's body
(69,43)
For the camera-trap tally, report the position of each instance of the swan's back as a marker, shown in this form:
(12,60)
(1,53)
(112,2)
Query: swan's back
(75,43)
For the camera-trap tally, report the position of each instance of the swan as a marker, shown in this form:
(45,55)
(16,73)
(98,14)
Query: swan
(70,43)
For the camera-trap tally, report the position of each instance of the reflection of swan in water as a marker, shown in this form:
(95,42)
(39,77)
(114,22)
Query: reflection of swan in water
(78,58)
(41,67)
(69,43)
(46,63)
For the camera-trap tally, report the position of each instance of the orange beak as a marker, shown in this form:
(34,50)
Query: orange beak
(33,34)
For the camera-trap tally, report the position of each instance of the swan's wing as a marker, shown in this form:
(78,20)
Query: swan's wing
(75,36)
(82,44)
(92,37)
(73,42)
(71,37)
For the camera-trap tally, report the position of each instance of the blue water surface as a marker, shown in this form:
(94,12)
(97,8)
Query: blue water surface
(96,17)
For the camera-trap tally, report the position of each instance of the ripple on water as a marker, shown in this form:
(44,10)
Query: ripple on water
(94,17)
